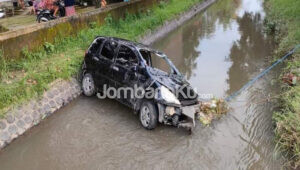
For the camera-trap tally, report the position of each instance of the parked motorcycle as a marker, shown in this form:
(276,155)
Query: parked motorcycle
(2,13)
(46,15)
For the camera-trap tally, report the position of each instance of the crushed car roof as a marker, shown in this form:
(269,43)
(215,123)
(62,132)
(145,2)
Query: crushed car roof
(131,43)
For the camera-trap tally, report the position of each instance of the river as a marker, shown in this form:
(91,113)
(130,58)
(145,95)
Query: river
(218,51)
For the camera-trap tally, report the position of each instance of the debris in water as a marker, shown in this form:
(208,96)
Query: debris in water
(290,79)
(212,110)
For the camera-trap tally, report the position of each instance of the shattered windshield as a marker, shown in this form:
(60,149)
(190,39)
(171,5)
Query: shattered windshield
(158,60)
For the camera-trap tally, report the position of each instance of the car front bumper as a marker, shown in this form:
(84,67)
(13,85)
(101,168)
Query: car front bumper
(188,112)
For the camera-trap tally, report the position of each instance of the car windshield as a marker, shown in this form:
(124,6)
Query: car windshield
(159,61)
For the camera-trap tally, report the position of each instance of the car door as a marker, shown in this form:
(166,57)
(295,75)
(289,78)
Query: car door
(125,73)
(104,63)
(92,55)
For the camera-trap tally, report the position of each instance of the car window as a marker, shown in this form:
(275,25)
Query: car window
(108,49)
(147,57)
(126,56)
(95,47)
(160,63)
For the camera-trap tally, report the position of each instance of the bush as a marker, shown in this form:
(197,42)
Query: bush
(283,19)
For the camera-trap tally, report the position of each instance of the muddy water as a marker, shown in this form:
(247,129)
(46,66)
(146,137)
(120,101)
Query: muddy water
(218,51)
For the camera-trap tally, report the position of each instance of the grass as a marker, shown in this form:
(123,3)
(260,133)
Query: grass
(30,76)
(284,21)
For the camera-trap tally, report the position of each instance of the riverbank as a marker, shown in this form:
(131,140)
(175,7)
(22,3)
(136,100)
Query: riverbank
(30,78)
(284,22)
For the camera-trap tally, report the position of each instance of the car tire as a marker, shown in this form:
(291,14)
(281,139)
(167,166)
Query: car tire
(148,115)
(43,19)
(88,85)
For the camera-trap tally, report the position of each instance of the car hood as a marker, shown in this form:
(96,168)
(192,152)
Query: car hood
(172,82)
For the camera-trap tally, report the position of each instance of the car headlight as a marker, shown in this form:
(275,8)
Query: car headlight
(168,96)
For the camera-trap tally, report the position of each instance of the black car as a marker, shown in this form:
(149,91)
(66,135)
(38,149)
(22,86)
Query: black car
(161,93)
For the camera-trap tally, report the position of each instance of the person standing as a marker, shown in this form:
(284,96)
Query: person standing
(69,6)
(49,4)
(21,4)
(35,6)
(103,3)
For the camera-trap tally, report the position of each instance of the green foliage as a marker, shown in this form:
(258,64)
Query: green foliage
(28,56)
(270,26)
(3,65)
(25,53)
(108,20)
(288,127)
(283,20)
(49,48)
(92,25)
(162,4)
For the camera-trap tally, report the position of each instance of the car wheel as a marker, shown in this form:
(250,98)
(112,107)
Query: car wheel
(148,115)
(43,19)
(88,85)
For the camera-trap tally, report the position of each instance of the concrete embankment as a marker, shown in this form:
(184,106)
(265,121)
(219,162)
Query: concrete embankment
(33,36)
(61,92)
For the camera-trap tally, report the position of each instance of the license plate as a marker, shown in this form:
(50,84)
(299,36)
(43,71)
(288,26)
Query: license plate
(189,111)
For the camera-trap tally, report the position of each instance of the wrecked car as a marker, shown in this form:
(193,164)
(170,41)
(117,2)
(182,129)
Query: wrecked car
(117,63)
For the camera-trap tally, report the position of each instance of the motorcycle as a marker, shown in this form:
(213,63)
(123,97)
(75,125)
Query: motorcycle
(46,15)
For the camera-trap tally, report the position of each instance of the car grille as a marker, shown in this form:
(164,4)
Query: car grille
(189,102)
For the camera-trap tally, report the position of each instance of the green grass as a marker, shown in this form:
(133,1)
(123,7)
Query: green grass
(30,76)
(283,20)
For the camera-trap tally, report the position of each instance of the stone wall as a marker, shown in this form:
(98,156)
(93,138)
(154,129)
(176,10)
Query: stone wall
(17,121)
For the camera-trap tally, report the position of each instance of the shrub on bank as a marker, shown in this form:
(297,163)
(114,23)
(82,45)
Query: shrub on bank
(283,20)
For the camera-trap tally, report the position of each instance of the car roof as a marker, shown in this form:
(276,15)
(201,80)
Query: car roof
(130,43)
